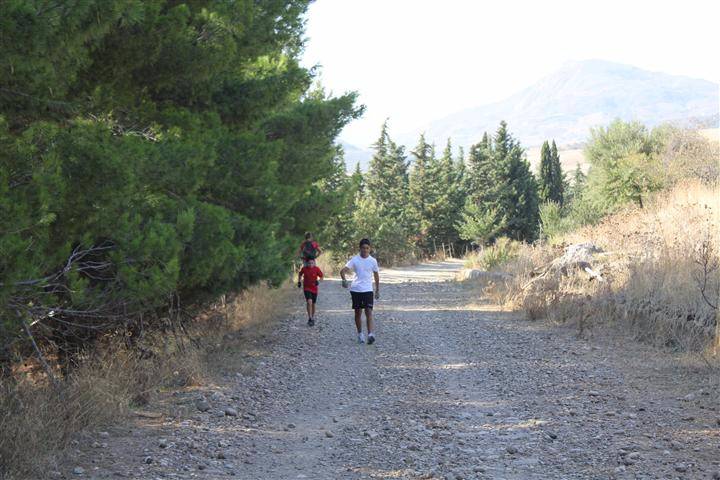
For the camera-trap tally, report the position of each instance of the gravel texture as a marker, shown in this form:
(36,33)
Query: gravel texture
(452,389)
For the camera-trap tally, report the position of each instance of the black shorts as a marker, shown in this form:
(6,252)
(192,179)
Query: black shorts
(310,296)
(361,300)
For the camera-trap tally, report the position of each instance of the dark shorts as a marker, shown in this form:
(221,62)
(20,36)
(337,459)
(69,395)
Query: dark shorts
(310,296)
(361,300)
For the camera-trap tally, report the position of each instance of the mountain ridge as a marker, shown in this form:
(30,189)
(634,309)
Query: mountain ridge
(581,94)
(567,103)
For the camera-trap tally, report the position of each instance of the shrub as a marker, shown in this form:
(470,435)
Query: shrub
(494,257)
(553,221)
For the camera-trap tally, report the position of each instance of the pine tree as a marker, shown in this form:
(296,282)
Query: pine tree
(381,213)
(339,194)
(577,185)
(357,179)
(162,150)
(422,190)
(447,188)
(387,179)
(480,172)
(505,199)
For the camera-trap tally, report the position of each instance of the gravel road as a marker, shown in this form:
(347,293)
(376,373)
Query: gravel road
(452,389)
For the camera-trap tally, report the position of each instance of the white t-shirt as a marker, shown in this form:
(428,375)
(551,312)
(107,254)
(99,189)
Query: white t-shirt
(363,268)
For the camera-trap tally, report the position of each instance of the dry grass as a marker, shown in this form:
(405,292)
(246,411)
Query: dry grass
(494,257)
(711,134)
(37,419)
(653,271)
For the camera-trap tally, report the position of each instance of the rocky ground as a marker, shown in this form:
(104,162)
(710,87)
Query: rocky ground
(452,389)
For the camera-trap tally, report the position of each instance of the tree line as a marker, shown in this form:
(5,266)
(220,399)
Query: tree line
(415,202)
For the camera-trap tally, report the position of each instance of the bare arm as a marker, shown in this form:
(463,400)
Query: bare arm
(343,272)
(377,285)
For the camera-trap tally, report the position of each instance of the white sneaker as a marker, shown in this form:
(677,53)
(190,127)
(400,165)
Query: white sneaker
(371,338)
(361,337)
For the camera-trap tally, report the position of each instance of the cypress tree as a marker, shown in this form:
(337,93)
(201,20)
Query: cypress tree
(552,180)
(340,194)
(505,197)
(460,174)
(558,177)
(461,189)
(546,173)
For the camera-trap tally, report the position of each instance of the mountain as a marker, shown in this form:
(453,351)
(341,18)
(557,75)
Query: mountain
(355,155)
(581,94)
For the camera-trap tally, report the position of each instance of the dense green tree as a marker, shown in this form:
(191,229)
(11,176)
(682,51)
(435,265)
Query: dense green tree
(358,180)
(340,192)
(387,180)
(625,163)
(422,186)
(480,171)
(447,192)
(503,198)
(155,151)
(383,212)
(545,182)
(517,200)
(576,185)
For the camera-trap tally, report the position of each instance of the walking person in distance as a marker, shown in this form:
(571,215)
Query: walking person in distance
(309,249)
(361,289)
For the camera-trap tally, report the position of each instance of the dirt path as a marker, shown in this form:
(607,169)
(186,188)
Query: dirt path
(449,390)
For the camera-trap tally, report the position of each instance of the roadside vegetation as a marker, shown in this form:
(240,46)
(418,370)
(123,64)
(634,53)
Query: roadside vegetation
(113,381)
(651,203)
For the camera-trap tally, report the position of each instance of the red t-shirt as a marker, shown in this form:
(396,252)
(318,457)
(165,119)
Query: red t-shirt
(310,276)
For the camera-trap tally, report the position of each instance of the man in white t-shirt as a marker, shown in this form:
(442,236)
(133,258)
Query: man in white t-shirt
(361,290)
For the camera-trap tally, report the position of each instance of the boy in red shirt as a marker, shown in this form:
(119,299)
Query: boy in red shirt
(308,279)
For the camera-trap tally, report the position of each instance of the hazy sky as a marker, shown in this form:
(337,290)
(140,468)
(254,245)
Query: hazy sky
(415,60)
